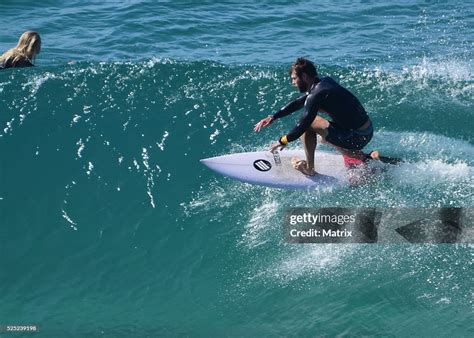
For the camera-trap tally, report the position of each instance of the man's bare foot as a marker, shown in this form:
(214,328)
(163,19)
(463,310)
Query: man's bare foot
(374,155)
(302,166)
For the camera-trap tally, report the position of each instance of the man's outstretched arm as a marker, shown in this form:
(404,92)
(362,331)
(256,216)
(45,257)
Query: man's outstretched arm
(286,110)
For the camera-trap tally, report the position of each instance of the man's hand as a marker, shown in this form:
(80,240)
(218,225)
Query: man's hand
(263,123)
(277,146)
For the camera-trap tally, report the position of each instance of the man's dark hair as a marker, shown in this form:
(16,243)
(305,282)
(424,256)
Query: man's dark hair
(303,65)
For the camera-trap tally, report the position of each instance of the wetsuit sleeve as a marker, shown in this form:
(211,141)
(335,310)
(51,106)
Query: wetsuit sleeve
(312,105)
(290,107)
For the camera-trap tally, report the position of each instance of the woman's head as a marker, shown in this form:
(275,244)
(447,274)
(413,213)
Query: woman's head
(29,44)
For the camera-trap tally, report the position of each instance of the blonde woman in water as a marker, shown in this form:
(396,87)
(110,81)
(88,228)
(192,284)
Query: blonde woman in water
(24,53)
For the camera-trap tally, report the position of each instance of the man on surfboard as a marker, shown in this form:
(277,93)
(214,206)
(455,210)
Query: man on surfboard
(349,130)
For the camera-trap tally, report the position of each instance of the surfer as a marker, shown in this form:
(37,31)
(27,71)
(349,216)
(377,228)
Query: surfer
(349,130)
(29,45)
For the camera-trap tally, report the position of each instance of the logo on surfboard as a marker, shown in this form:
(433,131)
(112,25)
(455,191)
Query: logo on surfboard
(262,165)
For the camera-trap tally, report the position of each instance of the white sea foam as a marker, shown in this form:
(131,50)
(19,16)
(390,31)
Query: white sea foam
(37,81)
(69,220)
(263,220)
(423,145)
(434,172)
(90,166)
(309,260)
(161,144)
(213,136)
(76,118)
(451,70)
(149,173)
(81,148)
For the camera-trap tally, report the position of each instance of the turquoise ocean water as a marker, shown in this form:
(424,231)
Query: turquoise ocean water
(110,226)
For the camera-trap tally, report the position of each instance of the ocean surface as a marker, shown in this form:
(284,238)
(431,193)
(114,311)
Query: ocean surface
(111,227)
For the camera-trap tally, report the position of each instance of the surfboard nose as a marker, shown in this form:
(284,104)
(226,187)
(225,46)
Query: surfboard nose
(205,161)
(208,163)
(214,164)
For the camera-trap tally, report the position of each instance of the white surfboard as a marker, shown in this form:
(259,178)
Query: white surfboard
(264,168)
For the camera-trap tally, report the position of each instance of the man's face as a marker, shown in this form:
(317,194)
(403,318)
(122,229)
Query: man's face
(300,81)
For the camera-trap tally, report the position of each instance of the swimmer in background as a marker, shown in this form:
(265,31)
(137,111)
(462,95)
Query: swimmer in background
(29,45)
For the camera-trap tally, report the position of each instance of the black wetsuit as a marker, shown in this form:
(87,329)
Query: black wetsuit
(345,110)
(8,63)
